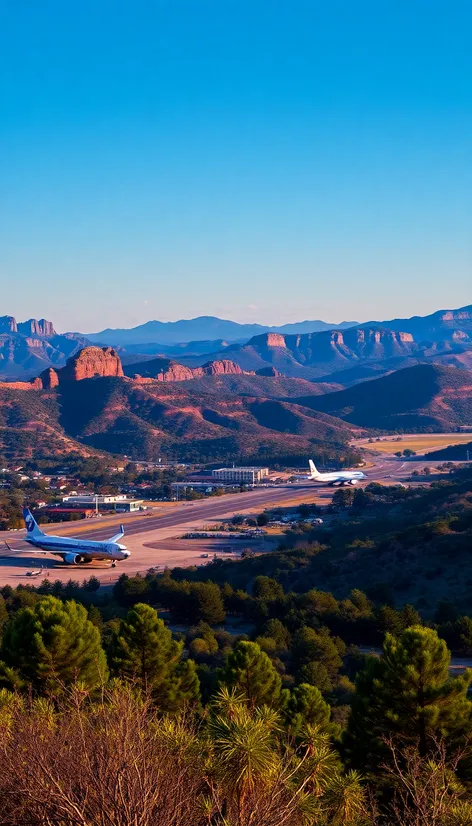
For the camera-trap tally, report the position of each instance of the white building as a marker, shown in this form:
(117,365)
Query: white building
(243,475)
(119,502)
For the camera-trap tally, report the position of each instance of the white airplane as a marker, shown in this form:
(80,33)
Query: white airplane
(337,477)
(74,551)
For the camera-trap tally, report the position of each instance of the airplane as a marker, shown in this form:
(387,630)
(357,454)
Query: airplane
(337,477)
(74,551)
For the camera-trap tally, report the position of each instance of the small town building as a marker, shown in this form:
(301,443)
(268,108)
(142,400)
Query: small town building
(119,502)
(241,475)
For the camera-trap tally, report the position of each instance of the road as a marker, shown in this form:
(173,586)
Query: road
(172,520)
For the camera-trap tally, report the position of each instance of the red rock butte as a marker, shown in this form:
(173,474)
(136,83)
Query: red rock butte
(86,364)
(179,372)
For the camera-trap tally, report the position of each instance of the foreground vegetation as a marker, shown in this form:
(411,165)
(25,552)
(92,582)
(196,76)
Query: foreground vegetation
(116,729)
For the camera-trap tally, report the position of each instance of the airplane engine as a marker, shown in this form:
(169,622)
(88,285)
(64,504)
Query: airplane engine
(75,559)
(353,482)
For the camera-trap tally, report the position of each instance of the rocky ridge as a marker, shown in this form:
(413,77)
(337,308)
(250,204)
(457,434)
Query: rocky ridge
(168,370)
(86,364)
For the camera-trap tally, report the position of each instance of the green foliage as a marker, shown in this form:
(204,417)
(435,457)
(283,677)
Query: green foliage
(50,646)
(249,671)
(277,631)
(316,656)
(267,589)
(143,651)
(343,498)
(407,696)
(305,708)
(205,603)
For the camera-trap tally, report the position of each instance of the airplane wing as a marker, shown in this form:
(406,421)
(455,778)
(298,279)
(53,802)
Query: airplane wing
(118,536)
(23,550)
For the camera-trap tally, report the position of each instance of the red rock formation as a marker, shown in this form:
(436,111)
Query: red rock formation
(220,367)
(268,340)
(90,362)
(87,363)
(49,379)
(36,384)
(178,372)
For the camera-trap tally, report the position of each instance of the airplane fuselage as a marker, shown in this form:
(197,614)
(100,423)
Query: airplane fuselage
(87,550)
(347,478)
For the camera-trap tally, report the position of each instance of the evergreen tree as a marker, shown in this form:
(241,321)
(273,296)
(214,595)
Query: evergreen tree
(267,589)
(206,603)
(316,674)
(304,708)
(316,647)
(185,686)
(249,671)
(50,645)
(143,650)
(277,631)
(407,696)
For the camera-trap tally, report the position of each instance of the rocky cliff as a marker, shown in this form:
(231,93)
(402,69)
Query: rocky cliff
(86,364)
(313,355)
(8,324)
(33,327)
(28,347)
(167,370)
(178,372)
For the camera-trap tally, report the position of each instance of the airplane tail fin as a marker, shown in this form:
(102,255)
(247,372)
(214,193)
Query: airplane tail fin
(313,469)
(32,527)
(118,536)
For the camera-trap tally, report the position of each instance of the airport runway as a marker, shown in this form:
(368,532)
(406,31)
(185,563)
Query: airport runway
(142,531)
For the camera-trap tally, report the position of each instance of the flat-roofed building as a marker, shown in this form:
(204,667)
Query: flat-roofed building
(119,502)
(242,475)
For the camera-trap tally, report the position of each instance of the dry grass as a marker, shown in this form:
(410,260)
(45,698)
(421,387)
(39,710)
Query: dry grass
(420,443)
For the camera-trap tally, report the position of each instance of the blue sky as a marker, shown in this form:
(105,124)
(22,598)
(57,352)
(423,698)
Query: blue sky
(265,161)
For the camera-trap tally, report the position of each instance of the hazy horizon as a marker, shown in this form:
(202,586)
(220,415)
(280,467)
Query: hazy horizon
(22,317)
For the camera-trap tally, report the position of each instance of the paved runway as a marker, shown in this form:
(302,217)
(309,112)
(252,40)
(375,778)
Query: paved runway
(143,531)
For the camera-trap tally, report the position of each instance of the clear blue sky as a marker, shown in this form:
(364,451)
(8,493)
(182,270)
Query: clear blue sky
(257,160)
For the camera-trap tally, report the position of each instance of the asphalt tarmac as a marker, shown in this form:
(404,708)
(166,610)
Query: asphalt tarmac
(143,531)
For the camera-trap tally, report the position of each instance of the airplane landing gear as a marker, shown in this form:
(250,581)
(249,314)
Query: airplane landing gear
(113,564)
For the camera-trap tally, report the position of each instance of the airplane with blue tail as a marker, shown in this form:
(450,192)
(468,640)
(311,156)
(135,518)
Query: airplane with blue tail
(74,551)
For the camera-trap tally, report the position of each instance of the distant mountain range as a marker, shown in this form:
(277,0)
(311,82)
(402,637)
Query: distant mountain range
(202,328)
(344,356)
(443,324)
(312,350)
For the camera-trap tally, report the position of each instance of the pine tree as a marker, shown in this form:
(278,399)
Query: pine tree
(51,645)
(304,708)
(249,671)
(206,603)
(311,647)
(407,696)
(143,650)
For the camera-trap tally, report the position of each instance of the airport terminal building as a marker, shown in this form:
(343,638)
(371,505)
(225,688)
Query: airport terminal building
(241,475)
